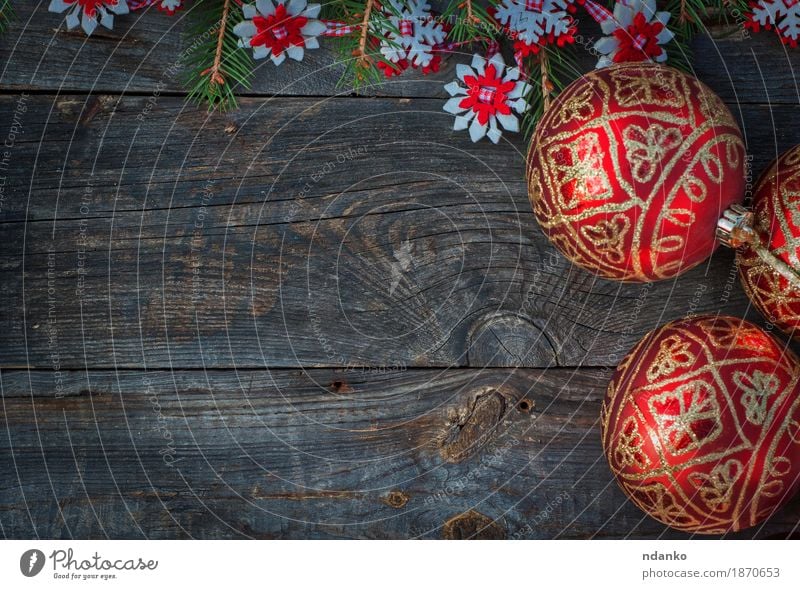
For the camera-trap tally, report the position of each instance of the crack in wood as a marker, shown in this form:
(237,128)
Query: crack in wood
(305,496)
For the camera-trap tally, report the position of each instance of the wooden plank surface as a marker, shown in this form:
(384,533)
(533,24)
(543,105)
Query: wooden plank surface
(320,316)
(307,246)
(314,453)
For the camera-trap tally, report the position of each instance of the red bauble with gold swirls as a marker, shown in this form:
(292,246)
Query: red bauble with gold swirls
(770,267)
(630,169)
(701,424)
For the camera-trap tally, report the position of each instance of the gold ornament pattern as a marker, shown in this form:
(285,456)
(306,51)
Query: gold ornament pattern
(756,389)
(649,147)
(701,424)
(629,169)
(629,449)
(716,489)
(672,355)
(770,270)
(608,235)
(574,166)
(687,417)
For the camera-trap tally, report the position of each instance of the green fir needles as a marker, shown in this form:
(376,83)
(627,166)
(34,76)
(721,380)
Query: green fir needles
(217,66)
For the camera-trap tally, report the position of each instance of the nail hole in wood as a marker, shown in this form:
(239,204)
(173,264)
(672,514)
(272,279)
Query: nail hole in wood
(339,386)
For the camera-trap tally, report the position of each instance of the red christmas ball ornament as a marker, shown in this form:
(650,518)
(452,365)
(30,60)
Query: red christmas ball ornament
(769,263)
(630,169)
(701,424)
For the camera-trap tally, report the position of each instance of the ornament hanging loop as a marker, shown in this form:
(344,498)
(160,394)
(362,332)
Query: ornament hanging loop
(735,227)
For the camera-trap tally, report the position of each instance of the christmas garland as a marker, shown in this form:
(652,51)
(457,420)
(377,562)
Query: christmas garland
(378,39)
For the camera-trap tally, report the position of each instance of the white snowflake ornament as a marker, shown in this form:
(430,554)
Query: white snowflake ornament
(783,15)
(487,96)
(636,32)
(88,13)
(413,35)
(537,22)
(280,29)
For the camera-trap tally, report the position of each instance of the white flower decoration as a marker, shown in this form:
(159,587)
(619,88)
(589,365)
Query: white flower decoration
(88,14)
(414,33)
(486,98)
(636,33)
(280,29)
(534,22)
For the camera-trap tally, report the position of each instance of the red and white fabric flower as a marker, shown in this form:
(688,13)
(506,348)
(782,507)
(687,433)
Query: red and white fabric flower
(636,32)
(280,29)
(533,24)
(88,13)
(486,97)
(413,33)
(782,15)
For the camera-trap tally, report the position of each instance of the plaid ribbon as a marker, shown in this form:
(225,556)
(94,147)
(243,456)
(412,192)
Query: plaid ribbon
(338,29)
(406,28)
(280,32)
(534,5)
(486,95)
(639,41)
(520,61)
(599,13)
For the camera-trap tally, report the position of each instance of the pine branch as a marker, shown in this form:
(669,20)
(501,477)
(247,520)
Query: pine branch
(696,13)
(214,73)
(470,22)
(215,64)
(557,67)
(470,14)
(728,11)
(360,50)
(362,40)
(6,15)
(682,16)
(691,17)
(547,87)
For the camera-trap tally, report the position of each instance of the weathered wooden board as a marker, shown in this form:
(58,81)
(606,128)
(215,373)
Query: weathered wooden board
(192,279)
(142,55)
(348,239)
(314,454)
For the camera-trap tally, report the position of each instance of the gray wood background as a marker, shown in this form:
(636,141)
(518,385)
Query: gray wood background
(323,315)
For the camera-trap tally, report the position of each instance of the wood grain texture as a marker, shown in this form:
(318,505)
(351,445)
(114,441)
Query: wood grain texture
(349,237)
(314,454)
(302,319)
